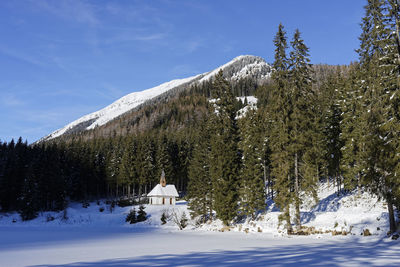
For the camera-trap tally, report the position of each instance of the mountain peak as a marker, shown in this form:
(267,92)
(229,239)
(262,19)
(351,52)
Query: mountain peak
(241,67)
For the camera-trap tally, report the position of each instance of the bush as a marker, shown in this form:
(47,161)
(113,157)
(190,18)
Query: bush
(163,218)
(366,232)
(101,209)
(142,216)
(131,218)
(181,221)
(28,214)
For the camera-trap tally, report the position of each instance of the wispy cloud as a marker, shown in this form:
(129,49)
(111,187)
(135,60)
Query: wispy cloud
(10,100)
(21,56)
(183,70)
(110,92)
(130,36)
(151,37)
(76,11)
(193,45)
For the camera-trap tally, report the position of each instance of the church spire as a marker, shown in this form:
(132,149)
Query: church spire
(163,182)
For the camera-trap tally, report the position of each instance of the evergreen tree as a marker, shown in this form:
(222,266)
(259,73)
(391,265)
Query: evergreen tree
(200,187)
(278,112)
(225,156)
(128,168)
(132,217)
(252,184)
(302,123)
(142,215)
(379,60)
(29,199)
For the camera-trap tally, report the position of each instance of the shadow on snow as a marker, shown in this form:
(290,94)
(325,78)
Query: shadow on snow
(332,254)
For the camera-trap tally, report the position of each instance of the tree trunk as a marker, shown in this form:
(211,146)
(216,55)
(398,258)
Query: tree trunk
(392,221)
(296,188)
(287,218)
(265,178)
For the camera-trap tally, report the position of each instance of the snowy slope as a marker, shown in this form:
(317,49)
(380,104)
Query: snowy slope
(348,214)
(239,67)
(251,66)
(121,106)
(251,104)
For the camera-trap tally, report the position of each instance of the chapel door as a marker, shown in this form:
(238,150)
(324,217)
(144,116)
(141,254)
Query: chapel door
(170,201)
(163,200)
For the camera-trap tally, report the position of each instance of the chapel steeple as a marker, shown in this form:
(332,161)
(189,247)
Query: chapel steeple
(163,182)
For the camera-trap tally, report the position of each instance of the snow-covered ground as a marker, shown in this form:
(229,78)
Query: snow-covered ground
(87,246)
(93,238)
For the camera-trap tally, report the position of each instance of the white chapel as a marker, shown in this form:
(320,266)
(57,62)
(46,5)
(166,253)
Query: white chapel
(163,193)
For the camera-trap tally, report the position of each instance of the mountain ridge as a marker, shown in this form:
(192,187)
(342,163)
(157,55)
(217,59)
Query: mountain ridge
(240,67)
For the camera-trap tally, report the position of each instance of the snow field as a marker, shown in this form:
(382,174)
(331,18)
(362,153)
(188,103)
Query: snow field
(93,238)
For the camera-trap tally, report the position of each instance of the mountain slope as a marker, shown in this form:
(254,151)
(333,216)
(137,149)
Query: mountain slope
(238,68)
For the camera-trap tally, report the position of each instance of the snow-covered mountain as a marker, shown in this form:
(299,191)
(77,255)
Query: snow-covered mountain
(240,67)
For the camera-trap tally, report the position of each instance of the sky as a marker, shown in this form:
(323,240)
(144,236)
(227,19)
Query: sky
(62,59)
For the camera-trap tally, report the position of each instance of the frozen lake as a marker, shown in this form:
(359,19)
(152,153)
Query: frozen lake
(149,246)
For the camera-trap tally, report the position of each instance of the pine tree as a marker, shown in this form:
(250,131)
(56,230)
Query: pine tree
(142,215)
(304,129)
(200,187)
(379,58)
(225,157)
(132,217)
(29,199)
(252,184)
(128,169)
(278,113)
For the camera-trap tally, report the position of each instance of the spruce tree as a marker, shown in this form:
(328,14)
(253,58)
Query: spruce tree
(200,187)
(302,122)
(379,60)
(225,156)
(252,184)
(278,112)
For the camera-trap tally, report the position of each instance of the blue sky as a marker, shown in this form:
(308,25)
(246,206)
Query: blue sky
(60,60)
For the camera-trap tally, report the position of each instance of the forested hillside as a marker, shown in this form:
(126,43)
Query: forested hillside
(339,124)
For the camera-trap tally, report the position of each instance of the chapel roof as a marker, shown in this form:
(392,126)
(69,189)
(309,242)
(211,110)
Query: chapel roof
(163,191)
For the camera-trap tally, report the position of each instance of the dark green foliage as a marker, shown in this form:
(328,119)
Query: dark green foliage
(131,217)
(278,111)
(29,200)
(183,221)
(252,184)
(200,186)
(163,218)
(142,216)
(225,156)
(294,126)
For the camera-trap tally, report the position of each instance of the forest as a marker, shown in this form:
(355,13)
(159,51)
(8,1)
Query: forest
(313,123)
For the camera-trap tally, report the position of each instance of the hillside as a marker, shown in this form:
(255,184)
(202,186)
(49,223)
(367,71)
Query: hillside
(238,69)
